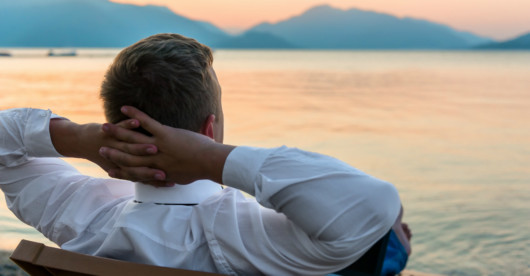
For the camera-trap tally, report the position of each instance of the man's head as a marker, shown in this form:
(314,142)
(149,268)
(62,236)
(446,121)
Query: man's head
(169,77)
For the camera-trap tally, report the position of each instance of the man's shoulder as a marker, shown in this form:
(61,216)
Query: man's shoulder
(228,202)
(229,194)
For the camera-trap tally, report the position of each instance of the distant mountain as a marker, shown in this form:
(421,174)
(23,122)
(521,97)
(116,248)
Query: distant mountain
(518,43)
(255,40)
(101,23)
(93,23)
(325,27)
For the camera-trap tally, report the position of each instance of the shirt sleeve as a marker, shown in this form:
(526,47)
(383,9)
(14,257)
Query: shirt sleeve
(321,214)
(24,133)
(48,193)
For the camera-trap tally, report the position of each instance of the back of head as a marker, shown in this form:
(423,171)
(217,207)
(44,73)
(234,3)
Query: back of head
(167,76)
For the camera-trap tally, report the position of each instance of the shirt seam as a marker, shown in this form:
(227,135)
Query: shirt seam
(215,248)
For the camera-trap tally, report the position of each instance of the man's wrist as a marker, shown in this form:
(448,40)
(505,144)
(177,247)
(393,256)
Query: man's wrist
(216,159)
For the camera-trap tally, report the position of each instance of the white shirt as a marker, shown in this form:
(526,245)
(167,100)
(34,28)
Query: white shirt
(311,215)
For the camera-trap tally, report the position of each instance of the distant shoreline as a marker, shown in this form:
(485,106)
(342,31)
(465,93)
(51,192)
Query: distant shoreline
(81,52)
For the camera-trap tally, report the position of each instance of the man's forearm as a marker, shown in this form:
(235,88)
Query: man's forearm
(79,141)
(64,137)
(74,140)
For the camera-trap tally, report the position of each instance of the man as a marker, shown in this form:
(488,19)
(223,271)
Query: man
(311,215)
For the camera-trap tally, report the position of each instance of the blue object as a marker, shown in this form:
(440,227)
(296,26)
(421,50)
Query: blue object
(371,263)
(395,258)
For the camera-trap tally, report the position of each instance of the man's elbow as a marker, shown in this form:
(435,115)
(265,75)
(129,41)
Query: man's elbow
(384,204)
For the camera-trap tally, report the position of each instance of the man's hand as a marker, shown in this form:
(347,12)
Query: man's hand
(183,156)
(85,140)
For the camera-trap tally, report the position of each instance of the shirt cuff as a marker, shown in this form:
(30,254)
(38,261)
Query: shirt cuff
(37,134)
(242,167)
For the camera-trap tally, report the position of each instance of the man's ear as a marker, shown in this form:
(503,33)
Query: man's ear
(207,126)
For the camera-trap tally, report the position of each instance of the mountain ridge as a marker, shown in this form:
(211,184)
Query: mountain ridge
(326,27)
(101,23)
(521,42)
(89,23)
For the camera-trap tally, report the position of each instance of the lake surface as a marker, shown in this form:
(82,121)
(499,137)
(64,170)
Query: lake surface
(450,129)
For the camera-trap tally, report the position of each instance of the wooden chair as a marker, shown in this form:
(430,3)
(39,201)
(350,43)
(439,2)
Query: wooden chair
(40,260)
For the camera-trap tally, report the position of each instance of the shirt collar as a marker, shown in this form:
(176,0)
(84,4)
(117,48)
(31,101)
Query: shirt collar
(192,193)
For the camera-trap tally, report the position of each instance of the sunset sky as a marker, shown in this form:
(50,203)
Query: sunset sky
(493,18)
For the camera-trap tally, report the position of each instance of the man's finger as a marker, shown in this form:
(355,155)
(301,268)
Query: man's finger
(129,124)
(148,123)
(126,135)
(123,159)
(134,149)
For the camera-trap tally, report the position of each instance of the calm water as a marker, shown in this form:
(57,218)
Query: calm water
(450,129)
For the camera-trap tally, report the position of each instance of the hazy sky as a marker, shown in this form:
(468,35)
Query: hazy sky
(499,19)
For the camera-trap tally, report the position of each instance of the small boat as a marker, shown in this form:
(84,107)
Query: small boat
(5,54)
(69,53)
